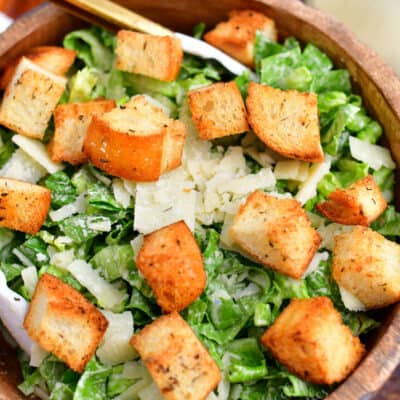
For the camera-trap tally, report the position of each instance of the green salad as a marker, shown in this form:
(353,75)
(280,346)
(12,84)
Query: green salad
(96,218)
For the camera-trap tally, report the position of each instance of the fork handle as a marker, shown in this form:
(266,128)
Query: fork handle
(118,15)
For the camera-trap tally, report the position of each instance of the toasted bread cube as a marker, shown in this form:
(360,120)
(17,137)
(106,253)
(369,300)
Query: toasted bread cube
(286,121)
(138,142)
(30,99)
(276,232)
(23,206)
(218,110)
(310,339)
(359,204)
(237,35)
(71,123)
(366,264)
(52,58)
(64,322)
(171,262)
(176,359)
(158,57)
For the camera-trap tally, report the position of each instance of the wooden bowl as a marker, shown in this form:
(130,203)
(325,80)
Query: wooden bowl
(375,81)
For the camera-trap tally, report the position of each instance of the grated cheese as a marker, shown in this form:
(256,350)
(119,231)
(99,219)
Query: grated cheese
(38,151)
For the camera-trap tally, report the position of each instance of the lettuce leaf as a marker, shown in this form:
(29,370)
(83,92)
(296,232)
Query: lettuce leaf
(114,261)
(93,382)
(62,189)
(94,46)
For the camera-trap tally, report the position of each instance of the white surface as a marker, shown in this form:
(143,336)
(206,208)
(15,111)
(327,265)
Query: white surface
(375,22)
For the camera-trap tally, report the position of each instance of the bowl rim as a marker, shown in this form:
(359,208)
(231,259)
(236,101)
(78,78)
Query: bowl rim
(379,363)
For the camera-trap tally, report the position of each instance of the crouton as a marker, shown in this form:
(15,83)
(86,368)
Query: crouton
(64,322)
(286,121)
(52,58)
(71,123)
(310,339)
(23,206)
(176,359)
(359,204)
(218,110)
(158,57)
(237,35)
(367,265)
(30,99)
(171,262)
(137,142)
(276,232)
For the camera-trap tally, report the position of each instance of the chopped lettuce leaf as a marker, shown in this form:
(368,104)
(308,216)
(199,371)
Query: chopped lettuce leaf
(114,261)
(247,362)
(93,382)
(62,189)
(94,46)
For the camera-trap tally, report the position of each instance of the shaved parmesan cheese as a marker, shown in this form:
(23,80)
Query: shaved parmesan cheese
(37,150)
(137,244)
(130,187)
(63,258)
(263,158)
(107,295)
(12,314)
(263,179)
(22,167)
(23,258)
(38,354)
(77,206)
(291,169)
(375,156)
(115,348)
(350,301)
(328,233)
(170,199)
(150,392)
(30,278)
(314,264)
(121,194)
(135,370)
(308,188)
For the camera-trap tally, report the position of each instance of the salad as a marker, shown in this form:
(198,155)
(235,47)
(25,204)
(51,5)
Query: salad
(98,220)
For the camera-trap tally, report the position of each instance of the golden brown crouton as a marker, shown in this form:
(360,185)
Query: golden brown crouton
(64,322)
(359,204)
(52,58)
(30,99)
(276,232)
(137,142)
(237,35)
(310,339)
(218,110)
(71,123)
(286,121)
(159,57)
(176,359)
(23,206)
(171,262)
(367,265)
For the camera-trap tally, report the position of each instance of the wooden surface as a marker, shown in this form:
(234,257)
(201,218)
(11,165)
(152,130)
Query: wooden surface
(376,82)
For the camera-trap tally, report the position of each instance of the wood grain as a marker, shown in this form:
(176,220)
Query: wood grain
(375,81)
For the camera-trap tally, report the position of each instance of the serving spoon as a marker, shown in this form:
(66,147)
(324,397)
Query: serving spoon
(106,10)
